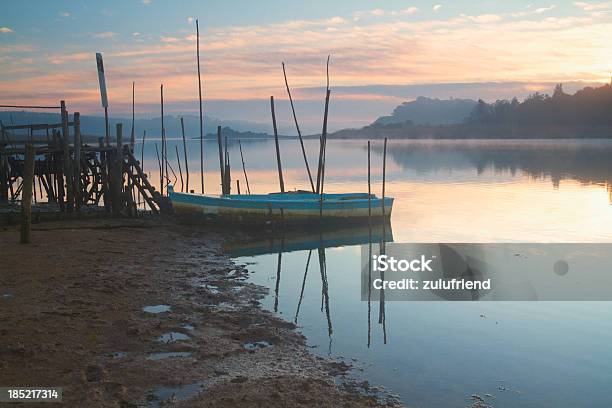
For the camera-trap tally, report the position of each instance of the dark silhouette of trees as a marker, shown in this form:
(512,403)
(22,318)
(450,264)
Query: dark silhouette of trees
(587,107)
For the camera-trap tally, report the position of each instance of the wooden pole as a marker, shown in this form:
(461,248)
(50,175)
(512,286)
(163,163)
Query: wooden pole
(278,157)
(227,173)
(323,139)
(201,116)
(77,161)
(297,126)
(178,159)
(221,160)
(323,151)
(66,158)
(244,168)
(106,126)
(26,193)
(161,179)
(104,175)
(369,191)
(238,186)
(186,162)
(384,173)
(132,135)
(144,137)
(3,170)
(117,176)
(164,153)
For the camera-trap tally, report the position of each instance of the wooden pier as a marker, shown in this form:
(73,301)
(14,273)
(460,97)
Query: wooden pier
(70,176)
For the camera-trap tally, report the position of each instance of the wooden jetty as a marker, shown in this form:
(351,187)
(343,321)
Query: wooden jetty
(71,177)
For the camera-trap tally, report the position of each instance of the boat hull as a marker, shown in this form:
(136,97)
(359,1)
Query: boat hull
(289,208)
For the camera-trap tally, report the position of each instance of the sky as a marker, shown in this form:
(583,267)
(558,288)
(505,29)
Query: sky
(382,53)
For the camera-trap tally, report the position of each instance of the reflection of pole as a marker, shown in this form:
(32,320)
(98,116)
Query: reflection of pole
(297,312)
(278,274)
(323,269)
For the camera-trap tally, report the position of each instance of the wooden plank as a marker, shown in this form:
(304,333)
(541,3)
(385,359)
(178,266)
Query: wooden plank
(26,194)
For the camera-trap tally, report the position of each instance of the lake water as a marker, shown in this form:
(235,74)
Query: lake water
(437,354)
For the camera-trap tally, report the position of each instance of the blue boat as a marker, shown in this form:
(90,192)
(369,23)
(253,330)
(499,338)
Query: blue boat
(299,207)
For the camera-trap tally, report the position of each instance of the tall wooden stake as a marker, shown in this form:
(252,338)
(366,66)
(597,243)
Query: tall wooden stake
(278,158)
(221,160)
(106,126)
(244,168)
(144,137)
(132,135)
(384,174)
(161,180)
(66,158)
(369,192)
(201,117)
(26,193)
(186,162)
(227,171)
(178,160)
(77,160)
(117,175)
(164,147)
(297,126)
(323,139)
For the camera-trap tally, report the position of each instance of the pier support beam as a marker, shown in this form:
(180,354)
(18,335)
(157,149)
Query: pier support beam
(26,193)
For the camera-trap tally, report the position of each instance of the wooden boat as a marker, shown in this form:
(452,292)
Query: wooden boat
(290,208)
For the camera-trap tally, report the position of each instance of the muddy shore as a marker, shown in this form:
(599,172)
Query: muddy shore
(75,312)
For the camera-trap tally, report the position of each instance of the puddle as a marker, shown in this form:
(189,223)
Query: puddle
(118,354)
(172,337)
(256,345)
(188,327)
(161,356)
(162,394)
(156,309)
(6,296)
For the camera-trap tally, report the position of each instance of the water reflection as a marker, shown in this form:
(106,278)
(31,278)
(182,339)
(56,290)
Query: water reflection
(435,354)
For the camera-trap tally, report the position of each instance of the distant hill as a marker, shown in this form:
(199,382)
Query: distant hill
(94,125)
(428,111)
(584,114)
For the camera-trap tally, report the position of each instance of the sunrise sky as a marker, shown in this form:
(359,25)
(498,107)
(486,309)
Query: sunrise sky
(383,53)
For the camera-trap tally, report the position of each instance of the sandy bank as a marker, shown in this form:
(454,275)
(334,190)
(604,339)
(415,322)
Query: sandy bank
(72,315)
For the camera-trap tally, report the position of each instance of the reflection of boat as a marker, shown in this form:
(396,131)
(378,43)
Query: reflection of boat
(282,208)
(299,240)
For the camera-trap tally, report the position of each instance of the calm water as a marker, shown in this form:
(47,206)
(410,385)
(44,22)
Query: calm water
(436,354)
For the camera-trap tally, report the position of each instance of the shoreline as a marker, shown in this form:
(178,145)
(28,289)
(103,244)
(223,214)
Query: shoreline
(74,316)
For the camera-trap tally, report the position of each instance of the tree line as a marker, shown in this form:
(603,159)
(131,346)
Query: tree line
(587,107)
